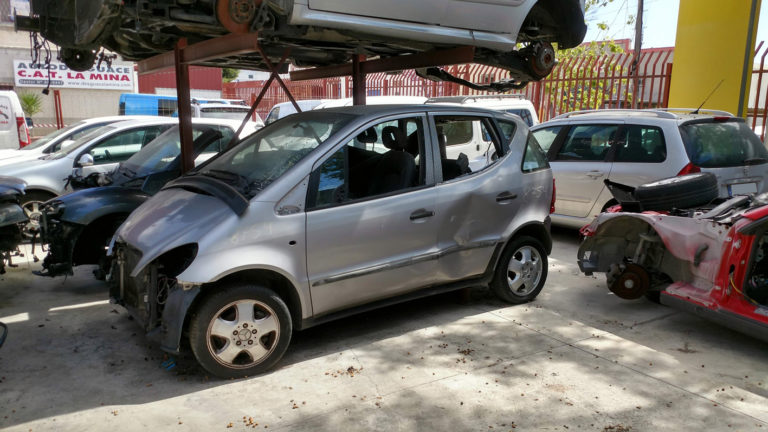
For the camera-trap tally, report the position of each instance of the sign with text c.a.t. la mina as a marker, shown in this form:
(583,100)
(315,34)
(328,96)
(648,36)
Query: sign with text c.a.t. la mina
(115,77)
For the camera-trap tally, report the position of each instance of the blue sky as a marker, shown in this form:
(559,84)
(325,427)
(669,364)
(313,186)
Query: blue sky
(660,22)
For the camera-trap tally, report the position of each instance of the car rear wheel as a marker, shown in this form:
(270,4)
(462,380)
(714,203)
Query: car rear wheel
(521,271)
(240,331)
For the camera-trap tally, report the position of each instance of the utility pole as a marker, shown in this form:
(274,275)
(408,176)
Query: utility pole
(636,59)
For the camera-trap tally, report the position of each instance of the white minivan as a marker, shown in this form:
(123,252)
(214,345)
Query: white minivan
(14,133)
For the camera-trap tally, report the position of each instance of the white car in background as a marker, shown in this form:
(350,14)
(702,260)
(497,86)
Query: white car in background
(57,140)
(14,133)
(635,147)
(286,108)
(225,111)
(515,104)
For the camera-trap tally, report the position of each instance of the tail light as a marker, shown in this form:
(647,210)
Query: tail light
(21,124)
(554,194)
(689,169)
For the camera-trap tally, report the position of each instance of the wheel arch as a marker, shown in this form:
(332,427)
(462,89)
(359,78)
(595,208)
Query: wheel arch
(270,278)
(537,230)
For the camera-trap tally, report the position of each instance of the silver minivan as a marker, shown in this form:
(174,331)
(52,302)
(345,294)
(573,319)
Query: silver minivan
(327,213)
(635,147)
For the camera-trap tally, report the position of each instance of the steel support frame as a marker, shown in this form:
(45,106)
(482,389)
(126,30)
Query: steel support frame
(184,55)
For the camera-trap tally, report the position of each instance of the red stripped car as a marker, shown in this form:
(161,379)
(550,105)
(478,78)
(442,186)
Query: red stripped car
(675,242)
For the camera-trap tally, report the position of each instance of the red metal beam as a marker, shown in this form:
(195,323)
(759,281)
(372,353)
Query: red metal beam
(391,64)
(358,81)
(224,46)
(185,107)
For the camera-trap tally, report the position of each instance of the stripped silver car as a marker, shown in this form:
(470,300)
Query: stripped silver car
(512,34)
(327,213)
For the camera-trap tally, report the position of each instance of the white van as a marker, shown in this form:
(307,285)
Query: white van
(512,103)
(14,133)
(286,108)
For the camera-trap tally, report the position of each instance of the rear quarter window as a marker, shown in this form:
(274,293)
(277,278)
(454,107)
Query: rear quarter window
(534,158)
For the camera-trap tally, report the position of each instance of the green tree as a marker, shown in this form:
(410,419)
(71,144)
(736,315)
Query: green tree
(229,74)
(31,103)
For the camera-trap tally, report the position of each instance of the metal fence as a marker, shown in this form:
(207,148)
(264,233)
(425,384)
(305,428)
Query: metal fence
(577,83)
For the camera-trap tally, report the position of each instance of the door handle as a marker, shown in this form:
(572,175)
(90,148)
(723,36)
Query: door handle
(421,214)
(505,196)
(595,174)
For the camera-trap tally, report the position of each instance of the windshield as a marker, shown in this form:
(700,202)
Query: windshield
(270,152)
(80,141)
(159,154)
(722,144)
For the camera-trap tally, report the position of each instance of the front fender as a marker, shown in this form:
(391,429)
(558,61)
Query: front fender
(212,267)
(85,206)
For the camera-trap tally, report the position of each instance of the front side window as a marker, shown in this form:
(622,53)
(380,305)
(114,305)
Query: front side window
(588,143)
(380,160)
(122,145)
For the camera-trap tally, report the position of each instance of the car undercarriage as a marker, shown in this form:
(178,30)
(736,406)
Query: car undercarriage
(138,29)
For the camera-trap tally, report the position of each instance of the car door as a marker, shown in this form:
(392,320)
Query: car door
(370,235)
(474,205)
(118,147)
(579,161)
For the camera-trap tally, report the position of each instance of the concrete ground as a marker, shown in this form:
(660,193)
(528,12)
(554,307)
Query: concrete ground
(577,358)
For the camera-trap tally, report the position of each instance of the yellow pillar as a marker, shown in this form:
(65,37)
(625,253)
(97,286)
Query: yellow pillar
(715,43)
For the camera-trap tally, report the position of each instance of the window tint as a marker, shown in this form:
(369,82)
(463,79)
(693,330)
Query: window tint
(722,144)
(523,113)
(641,144)
(118,147)
(380,160)
(473,151)
(534,158)
(588,142)
(546,136)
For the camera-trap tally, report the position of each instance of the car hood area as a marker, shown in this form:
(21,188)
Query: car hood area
(172,218)
(84,206)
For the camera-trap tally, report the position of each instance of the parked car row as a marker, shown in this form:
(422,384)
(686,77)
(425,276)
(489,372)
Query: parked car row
(337,210)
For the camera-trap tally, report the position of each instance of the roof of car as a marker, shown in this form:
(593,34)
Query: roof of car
(398,108)
(675,114)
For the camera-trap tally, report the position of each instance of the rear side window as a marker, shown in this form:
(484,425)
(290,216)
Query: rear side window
(722,144)
(523,113)
(588,143)
(534,158)
(641,144)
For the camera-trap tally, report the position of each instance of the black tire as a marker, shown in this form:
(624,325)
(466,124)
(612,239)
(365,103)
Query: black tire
(31,203)
(681,192)
(78,60)
(212,351)
(523,284)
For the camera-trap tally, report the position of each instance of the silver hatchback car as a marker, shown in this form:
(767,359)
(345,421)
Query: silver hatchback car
(327,213)
(635,147)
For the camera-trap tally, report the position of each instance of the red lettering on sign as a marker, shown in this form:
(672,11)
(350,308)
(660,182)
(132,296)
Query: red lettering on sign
(95,76)
(124,78)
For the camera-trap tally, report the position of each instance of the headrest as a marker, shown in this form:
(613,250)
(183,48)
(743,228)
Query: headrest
(367,136)
(393,138)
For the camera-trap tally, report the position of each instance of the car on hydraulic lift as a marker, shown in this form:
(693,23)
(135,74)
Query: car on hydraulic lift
(78,226)
(512,34)
(326,213)
(676,242)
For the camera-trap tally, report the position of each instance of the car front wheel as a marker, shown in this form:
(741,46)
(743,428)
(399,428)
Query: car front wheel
(521,271)
(240,331)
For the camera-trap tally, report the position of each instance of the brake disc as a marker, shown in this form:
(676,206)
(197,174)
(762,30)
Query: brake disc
(632,283)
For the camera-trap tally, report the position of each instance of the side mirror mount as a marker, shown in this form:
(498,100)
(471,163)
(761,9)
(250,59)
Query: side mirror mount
(85,160)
